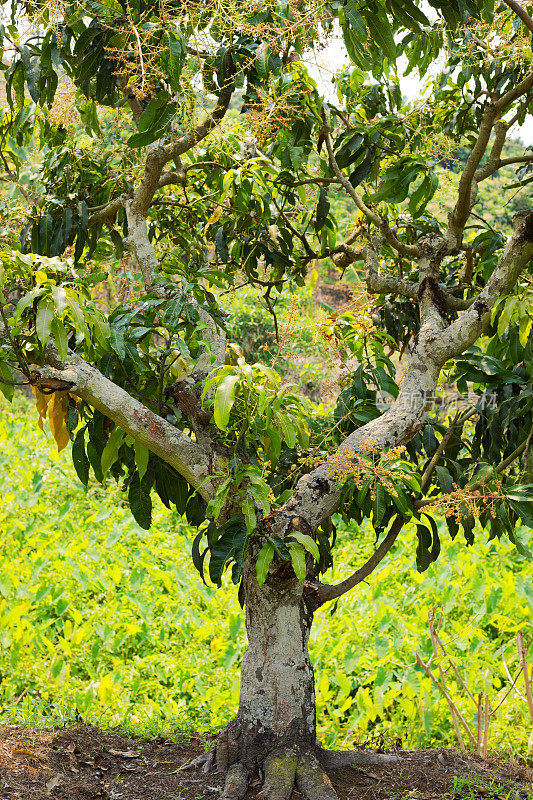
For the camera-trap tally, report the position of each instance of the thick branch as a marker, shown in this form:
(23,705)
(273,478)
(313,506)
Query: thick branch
(493,162)
(139,244)
(463,332)
(158,435)
(196,134)
(502,104)
(377,283)
(467,183)
(318,494)
(525,159)
(107,212)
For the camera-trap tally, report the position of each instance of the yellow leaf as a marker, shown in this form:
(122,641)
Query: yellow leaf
(57,414)
(42,406)
(105,689)
(215,216)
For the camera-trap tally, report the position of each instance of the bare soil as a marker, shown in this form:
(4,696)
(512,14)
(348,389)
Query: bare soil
(85,763)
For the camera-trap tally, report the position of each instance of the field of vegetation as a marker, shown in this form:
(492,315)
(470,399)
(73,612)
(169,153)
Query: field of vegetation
(105,622)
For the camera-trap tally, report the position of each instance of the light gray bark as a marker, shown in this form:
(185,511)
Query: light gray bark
(135,419)
(317,495)
(277,699)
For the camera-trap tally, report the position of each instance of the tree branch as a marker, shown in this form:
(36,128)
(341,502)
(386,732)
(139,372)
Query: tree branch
(372,216)
(317,494)
(525,86)
(107,212)
(520,12)
(135,419)
(464,331)
(458,422)
(200,131)
(327,592)
(390,284)
(525,159)
(493,162)
(467,191)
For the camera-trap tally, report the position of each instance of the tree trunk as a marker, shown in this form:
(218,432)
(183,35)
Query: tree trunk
(277,698)
(274,732)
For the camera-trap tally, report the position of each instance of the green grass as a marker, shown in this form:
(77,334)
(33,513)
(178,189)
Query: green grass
(106,622)
(473,787)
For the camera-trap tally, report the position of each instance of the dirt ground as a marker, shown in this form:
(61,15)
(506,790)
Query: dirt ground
(84,763)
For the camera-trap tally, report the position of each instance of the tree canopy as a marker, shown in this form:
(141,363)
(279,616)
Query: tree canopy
(119,146)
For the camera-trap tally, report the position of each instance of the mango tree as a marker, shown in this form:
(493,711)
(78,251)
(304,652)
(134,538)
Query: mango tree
(123,151)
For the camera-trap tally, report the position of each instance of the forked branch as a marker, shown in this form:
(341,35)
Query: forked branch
(380,223)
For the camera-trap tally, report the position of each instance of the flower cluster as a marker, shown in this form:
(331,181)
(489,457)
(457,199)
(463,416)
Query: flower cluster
(470,501)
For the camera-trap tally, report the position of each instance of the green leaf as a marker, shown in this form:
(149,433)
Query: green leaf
(229,545)
(101,330)
(7,389)
(79,457)
(177,490)
(27,301)
(298,560)
(60,299)
(379,506)
(248,509)
(142,455)
(381,32)
(445,480)
(401,502)
(110,452)
(197,558)
(269,373)
(43,322)
(262,565)
(360,172)
(423,558)
(289,431)
(140,502)
(524,330)
(307,542)
(224,400)
(261,62)
(322,209)
(221,245)
(175,52)
(60,335)
(154,121)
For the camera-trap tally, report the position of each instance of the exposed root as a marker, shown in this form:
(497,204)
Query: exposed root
(199,761)
(311,779)
(236,783)
(288,766)
(227,748)
(335,759)
(280,772)
(209,761)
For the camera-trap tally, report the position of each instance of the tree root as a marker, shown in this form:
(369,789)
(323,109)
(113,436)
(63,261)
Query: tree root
(311,779)
(336,759)
(280,773)
(294,765)
(236,784)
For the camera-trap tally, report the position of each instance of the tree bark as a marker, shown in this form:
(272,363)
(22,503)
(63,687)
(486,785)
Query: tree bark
(277,699)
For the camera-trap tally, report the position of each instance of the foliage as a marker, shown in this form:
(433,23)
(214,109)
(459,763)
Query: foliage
(255,201)
(104,619)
